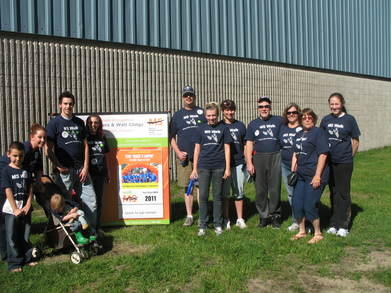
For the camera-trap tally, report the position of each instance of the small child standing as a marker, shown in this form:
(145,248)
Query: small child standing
(67,212)
(17,210)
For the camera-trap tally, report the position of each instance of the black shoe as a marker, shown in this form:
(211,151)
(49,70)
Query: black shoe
(264,222)
(276,223)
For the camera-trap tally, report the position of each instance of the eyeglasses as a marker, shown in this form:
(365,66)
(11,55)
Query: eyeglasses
(292,113)
(188,96)
(264,107)
(305,117)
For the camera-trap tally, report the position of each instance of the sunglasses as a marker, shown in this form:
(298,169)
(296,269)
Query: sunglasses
(307,118)
(188,96)
(292,113)
(264,107)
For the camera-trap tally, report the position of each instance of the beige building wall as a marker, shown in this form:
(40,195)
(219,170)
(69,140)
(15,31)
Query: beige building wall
(107,79)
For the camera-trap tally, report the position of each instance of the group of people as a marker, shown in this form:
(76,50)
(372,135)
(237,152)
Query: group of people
(224,154)
(77,152)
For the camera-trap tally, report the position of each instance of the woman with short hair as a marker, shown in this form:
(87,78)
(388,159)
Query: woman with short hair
(309,161)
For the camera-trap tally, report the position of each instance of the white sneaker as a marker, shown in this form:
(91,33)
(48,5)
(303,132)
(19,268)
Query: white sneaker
(293,227)
(332,231)
(227,224)
(201,232)
(342,232)
(218,231)
(241,224)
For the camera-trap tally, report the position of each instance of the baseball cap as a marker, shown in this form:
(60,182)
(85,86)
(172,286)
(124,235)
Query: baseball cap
(188,90)
(264,99)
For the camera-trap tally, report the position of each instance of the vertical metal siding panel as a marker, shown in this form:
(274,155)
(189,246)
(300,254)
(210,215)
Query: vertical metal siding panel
(254,10)
(205,27)
(225,28)
(240,43)
(166,32)
(215,27)
(232,32)
(186,25)
(311,38)
(130,22)
(118,21)
(176,24)
(294,37)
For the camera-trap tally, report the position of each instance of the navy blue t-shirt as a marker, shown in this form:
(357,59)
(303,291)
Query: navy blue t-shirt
(68,136)
(308,145)
(212,140)
(340,131)
(238,132)
(19,182)
(97,147)
(264,134)
(286,137)
(32,161)
(183,125)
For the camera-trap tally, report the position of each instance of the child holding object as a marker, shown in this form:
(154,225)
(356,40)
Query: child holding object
(17,210)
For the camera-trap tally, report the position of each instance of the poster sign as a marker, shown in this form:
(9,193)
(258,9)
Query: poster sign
(138,191)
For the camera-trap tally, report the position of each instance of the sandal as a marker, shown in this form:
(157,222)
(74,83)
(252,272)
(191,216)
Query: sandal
(298,236)
(315,239)
(32,264)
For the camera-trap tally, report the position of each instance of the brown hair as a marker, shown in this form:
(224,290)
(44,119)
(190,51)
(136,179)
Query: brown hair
(66,94)
(310,112)
(99,132)
(35,127)
(340,98)
(285,116)
(212,106)
(228,105)
(57,202)
(16,145)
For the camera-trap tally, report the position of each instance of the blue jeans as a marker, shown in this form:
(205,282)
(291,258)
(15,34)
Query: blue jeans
(3,241)
(286,170)
(18,245)
(205,179)
(99,186)
(85,191)
(305,200)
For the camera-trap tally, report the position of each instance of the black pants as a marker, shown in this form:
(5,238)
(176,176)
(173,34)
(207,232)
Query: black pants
(267,184)
(340,176)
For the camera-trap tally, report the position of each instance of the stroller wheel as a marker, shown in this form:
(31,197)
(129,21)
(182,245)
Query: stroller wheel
(36,252)
(76,258)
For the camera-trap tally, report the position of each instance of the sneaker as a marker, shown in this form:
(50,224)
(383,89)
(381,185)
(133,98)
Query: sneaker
(201,232)
(342,232)
(227,224)
(188,222)
(293,227)
(241,224)
(332,231)
(218,231)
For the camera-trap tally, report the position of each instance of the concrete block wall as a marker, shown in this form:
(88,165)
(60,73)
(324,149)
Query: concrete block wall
(33,71)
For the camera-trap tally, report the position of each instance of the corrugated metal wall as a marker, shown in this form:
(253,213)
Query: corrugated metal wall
(103,79)
(350,35)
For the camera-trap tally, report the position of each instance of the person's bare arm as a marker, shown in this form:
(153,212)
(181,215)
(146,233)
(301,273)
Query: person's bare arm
(11,199)
(197,148)
(249,157)
(294,163)
(315,182)
(181,155)
(227,151)
(355,144)
(84,172)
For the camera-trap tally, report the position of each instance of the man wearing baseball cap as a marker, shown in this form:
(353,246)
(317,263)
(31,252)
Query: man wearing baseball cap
(183,126)
(263,159)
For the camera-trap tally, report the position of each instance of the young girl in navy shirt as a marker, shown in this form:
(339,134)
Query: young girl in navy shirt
(342,132)
(211,165)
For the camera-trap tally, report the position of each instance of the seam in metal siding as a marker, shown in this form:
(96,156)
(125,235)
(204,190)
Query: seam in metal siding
(350,35)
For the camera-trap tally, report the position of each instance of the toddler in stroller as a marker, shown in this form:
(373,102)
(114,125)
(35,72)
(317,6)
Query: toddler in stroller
(67,212)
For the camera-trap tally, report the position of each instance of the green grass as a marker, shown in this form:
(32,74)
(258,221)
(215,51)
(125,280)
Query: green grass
(172,258)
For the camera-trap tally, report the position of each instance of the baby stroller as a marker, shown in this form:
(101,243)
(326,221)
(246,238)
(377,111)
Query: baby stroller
(58,234)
